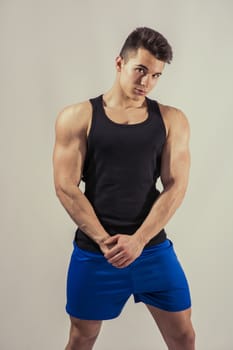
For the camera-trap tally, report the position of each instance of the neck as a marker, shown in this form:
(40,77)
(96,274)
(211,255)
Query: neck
(117,98)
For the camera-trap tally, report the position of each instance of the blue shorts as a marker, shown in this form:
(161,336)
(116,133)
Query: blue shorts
(96,290)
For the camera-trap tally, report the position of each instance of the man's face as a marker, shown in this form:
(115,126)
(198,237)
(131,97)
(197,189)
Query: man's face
(139,74)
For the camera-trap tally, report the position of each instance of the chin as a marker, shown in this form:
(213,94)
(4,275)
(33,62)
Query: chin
(137,97)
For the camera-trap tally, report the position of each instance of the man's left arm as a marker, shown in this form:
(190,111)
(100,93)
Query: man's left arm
(175,166)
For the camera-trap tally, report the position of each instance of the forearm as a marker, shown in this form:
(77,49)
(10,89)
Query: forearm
(82,213)
(162,210)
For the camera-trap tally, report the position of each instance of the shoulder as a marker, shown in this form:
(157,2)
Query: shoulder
(73,118)
(75,113)
(175,119)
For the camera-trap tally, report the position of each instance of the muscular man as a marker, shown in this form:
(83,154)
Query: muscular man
(119,143)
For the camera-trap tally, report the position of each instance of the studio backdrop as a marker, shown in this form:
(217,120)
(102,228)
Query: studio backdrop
(58,53)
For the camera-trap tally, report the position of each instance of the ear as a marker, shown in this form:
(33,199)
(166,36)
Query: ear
(119,63)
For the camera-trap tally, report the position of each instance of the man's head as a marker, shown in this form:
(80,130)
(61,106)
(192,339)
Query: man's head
(141,61)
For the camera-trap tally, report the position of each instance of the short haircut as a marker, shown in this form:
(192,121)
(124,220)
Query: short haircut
(149,39)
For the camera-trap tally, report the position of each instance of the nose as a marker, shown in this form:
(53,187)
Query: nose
(145,80)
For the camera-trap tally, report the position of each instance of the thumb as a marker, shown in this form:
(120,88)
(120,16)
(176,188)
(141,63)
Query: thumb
(111,240)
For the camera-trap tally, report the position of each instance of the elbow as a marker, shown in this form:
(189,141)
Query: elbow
(67,189)
(178,188)
(59,191)
(60,188)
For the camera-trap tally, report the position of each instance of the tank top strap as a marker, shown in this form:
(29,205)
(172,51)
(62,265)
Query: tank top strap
(155,111)
(95,101)
(153,106)
(97,110)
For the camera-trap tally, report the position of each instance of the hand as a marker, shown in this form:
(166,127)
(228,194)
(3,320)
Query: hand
(106,247)
(126,248)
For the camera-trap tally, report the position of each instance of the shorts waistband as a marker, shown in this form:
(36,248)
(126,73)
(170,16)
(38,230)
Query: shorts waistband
(166,244)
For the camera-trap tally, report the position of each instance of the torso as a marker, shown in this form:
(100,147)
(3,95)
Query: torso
(121,153)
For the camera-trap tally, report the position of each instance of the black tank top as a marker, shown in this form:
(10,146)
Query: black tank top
(120,171)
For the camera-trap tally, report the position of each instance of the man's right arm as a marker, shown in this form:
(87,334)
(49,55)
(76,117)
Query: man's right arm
(68,159)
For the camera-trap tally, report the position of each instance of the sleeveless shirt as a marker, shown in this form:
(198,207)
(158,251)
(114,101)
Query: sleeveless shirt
(120,171)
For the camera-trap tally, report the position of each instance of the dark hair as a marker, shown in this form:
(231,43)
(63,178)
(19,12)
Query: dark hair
(149,39)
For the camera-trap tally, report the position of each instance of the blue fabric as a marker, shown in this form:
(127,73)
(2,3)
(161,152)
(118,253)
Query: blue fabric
(96,290)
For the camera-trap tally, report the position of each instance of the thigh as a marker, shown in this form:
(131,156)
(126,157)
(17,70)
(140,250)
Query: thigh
(171,323)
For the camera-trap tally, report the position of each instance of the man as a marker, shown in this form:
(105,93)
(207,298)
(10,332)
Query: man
(119,143)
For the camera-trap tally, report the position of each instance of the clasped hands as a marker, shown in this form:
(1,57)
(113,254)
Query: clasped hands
(121,250)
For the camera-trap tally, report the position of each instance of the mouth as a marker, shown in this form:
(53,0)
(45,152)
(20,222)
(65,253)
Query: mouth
(140,91)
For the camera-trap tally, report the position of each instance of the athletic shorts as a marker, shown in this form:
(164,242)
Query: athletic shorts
(96,290)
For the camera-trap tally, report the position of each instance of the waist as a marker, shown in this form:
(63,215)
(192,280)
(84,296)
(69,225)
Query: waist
(85,242)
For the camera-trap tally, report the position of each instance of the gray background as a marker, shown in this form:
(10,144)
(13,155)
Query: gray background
(56,53)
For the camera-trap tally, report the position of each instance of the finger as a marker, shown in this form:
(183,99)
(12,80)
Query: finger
(111,240)
(116,258)
(122,264)
(112,252)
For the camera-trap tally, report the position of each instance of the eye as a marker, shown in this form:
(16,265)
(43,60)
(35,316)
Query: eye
(140,70)
(156,75)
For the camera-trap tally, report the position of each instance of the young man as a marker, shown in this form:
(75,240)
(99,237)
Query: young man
(119,144)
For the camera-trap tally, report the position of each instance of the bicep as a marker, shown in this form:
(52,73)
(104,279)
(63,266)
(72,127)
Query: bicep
(69,152)
(175,160)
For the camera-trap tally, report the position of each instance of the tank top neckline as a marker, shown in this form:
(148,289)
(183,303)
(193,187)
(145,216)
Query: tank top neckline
(146,121)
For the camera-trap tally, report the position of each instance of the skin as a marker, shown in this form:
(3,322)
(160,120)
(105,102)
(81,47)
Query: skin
(125,103)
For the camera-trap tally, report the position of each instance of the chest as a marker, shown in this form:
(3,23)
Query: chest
(135,142)
(126,116)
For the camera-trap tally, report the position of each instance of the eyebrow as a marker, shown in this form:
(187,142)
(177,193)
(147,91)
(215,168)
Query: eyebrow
(142,66)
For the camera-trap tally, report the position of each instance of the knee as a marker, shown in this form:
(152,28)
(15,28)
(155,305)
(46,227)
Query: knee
(189,337)
(84,332)
(77,336)
(185,339)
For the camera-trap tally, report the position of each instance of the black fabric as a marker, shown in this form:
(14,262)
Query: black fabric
(120,171)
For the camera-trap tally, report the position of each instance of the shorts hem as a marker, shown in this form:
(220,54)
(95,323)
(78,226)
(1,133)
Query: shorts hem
(81,317)
(161,307)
